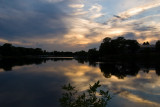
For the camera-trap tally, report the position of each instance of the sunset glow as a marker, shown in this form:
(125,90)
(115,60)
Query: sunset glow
(73,25)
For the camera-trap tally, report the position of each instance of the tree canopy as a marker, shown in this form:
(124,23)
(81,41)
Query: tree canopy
(119,45)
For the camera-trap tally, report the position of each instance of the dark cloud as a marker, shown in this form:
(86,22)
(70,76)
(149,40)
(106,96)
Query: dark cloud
(130,35)
(93,45)
(144,28)
(53,24)
(30,18)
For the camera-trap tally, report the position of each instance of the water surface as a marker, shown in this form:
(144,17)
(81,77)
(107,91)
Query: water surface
(37,83)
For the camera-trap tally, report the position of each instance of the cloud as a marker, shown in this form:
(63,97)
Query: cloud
(3,41)
(135,98)
(143,28)
(53,1)
(76,5)
(74,25)
(95,11)
(30,19)
(137,10)
(130,35)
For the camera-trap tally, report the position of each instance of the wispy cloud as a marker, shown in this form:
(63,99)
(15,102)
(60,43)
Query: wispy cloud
(52,1)
(137,10)
(77,24)
(3,41)
(76,5)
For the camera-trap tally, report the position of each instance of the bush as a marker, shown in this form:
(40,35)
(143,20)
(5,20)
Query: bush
(73,98)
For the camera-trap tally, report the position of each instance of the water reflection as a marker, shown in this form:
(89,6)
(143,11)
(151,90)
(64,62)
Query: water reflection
(130,84)
(119,70)
(7,64)
(37,82)
(122,69)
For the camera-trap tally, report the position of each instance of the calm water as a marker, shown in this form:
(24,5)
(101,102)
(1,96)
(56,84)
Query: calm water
(37,83)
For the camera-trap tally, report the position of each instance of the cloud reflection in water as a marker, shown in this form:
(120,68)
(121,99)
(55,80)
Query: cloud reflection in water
(40,84)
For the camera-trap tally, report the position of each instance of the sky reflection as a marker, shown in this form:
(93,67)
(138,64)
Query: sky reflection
(40,85)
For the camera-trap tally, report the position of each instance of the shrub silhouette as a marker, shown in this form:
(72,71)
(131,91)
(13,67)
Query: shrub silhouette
(73,98)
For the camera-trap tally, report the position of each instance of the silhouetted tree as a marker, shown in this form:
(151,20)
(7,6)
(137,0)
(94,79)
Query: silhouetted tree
(118,46)
(132,46)
(93,54)
(146,43)
(8,50)
(157,46)
(157,68)
(146,50)
(93,97)
(81,54)
(7,45)
(105,47)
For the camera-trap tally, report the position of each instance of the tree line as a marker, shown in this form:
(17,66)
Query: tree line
(8,49)
(121,48)
(109,47)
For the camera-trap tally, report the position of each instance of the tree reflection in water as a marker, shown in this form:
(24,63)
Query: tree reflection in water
(8,64)
(122,69)
(118,69)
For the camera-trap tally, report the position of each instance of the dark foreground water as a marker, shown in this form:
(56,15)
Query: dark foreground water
(37,83)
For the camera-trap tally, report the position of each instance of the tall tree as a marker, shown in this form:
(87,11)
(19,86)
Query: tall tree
(157,46)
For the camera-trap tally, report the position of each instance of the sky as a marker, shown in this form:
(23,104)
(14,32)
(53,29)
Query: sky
(72,25)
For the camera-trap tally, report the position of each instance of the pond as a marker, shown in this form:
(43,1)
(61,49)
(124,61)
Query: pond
(37,83)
